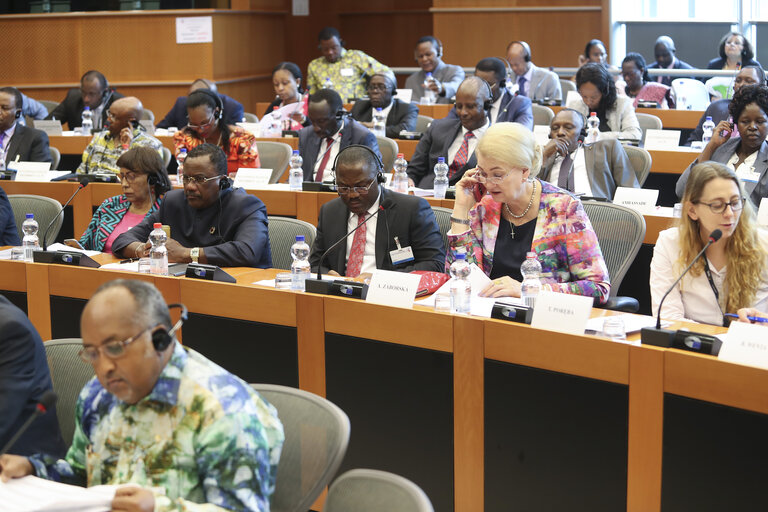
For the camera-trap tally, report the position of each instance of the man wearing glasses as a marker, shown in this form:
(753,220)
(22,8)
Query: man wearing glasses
(397,231)
(400,115)
(123,133)
(188,434)
(210,222)
(94,92)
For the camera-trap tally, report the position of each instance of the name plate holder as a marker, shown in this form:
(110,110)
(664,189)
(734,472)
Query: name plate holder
(512,313)
(642,200)
(252,178)
(208,273)
(389,288)
(350,289)
(747,344)
(561,312)
(76,259)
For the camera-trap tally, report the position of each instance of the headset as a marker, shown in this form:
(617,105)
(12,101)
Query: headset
(379,164)
(487,104)
(224,182)
(437,44)
(159,183)
(526,50)
(216,99)
(162,338)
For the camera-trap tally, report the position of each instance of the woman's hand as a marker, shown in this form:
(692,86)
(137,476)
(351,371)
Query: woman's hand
(745,313)
(465,198)
(721,134)
(503,286)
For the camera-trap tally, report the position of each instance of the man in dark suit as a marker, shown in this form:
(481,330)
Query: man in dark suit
(452,138)
(664,51)
(177,116)
(330,132)
(19,142)
(400,115)
(24,377)
(9,235)
(94,92)
(393,221)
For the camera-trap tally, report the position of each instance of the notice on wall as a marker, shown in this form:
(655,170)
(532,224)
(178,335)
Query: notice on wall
(195,29)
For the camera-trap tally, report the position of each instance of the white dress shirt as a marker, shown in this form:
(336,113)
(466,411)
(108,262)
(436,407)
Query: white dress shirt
(471,143)
(580,173)
(334,149)
(369,258)
(527,86)
(495,107)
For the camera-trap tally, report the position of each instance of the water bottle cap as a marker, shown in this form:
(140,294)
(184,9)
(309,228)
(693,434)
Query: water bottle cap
(461,256)
(183,150)
(30,215)
(593,114)
(709,118)
(441,159)
(429,73)
(530,254)
(299,238)
(157,225)
(378,109)
(401,155)
(87,108)
(275,108)
(295,152)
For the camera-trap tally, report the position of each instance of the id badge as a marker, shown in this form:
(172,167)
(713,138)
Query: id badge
(748,174)
(347,72)
(402,255)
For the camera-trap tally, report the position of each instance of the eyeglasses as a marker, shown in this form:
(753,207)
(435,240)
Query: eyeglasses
(719,206)
(198,180)
(377,87)
(358,190)
(734,43)
(495,180)
(198,127)
(112,349)
(110,115)
(129,176)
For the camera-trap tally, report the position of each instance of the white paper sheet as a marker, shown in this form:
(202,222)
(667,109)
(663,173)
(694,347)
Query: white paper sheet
(33,494)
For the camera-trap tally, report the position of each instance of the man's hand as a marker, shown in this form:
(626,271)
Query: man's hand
(133,499)
(435,85)
(14,466)
(367,124)
(554,146)
(177,253)
(137,250)
(126,135)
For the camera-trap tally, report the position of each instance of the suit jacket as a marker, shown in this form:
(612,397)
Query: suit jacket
(409,218)
(24,377)
(512,109)
(719,62)
(70,110)
(449,75)
(402,116)
(177,116)
(755,191)
(434,144)
(718,111)
(29,145)
(9,235)
(544,84)
(667,80)
(608,167)
(351,133)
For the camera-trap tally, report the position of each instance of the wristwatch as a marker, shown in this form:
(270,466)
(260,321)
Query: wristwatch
(194,253)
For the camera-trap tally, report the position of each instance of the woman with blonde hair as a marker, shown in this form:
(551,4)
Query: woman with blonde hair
(502,211)
(733,273)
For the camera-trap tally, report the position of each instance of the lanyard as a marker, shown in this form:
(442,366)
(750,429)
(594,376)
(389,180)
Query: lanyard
(708,273)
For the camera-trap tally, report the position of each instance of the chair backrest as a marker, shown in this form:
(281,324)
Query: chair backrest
(282,235)
(542,115)
(375,491)
(166,156)
(389,150)
(55,157)
(641,161)
(69,374)
(44,208)
(316,439)
(620,232)
(148,115)
(275,156)
(422,123)
(50,105)
(250,118)
(565,86)
(694,93)
(648,122)
(443,218)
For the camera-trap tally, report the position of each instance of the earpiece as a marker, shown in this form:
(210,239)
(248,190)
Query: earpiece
(380,165)
(216,99)
(161,338)
(224,182)
(439,48)
(160,184)
(18,114)
(341,114)
(487,104)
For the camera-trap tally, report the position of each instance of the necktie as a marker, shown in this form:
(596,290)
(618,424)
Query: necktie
(324,161)
(565,178)
(356,253)
(460,160)
(521,86)
(2,138)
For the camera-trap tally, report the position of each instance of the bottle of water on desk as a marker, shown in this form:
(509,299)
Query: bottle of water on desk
(300,266)
(441,178)
(296,173)
(531,285)
(30,242)
(158,254)
(707,129)
(593,128)
(429,97)
(461,289)
(87,121)
(2,158)
(180,165)
(400,177)
(379,123)
(327,83)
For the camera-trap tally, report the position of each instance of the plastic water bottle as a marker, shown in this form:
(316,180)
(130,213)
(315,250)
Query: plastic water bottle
(180,164)
(400,177)
(708,128)
(158,254)
(593,128)
(296,173)
(300,266)
(2,158)
(379,123)
(441,178)
(87,121)
(531,285)
(461,289)
(429,97)
(327,83)
(275,124)
(30,242)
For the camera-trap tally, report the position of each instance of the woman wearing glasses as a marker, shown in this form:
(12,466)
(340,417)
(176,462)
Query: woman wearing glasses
(205,113)
(732,273)
(521,214)
(735,53)
(144,181)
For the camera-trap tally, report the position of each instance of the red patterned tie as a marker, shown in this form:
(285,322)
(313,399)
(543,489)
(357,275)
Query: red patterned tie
(356,253)
(460,160)
(324,161)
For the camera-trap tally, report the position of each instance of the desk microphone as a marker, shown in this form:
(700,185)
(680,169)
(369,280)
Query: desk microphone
(45,235)
(46,402)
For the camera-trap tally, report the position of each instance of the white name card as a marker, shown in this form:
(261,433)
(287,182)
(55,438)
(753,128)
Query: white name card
(32,171)
(541,133)
(561,312)
(49,127)
(194,29)
(642,200)
(254,128)
(405,95)
(662,140)
(746,344)
(762,212)
(390,288)
(252,178)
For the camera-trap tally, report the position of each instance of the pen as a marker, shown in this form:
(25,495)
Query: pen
(750,318)
(129,260)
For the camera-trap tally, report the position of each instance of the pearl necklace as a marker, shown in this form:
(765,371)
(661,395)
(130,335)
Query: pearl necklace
(530,203)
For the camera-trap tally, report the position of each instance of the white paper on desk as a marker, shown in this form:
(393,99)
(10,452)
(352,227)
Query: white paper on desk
(132,266)
(61,247)
(747,344)
(642,200)
(33,494)
(50,127)
(389,288)
(252,178)
(477,279)
(270,283)
(421,192)
(561,312)
(194,29)
(662,140)
(405,95)
(254,128)
(632,323)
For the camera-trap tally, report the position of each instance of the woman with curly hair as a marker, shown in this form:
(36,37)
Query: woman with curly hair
(746,153)
(732,273)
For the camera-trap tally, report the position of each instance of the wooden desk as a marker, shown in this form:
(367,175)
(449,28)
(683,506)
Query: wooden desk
(76,144)
(671,119)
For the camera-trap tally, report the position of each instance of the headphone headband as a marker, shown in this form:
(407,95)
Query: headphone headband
(379,163)
(162,338)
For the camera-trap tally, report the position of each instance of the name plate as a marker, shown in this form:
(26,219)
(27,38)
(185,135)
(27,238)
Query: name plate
(252,178)
(746,344)
(561,312)
(405,95)
(541,133)
(52,127)
(641,199)
(390,288)
(762,212)
(33,171)
(662,140)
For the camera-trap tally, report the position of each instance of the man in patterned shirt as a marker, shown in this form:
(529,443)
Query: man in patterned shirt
(348,70)
(187,433)
(123,133)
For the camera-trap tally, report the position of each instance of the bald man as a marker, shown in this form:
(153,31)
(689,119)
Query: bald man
(532,81)
(453,138)
(664,51)
(177,116)
(122,133)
